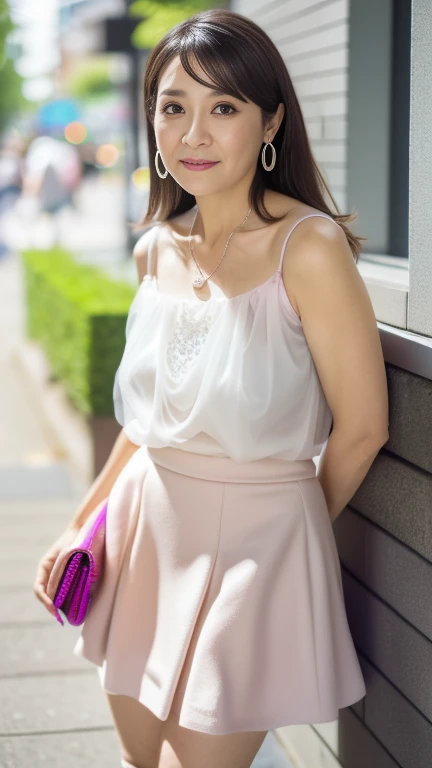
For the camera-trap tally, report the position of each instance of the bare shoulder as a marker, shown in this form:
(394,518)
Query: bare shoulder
(319,244)
(170,234)
(317,251)
(141,250)
(176,229)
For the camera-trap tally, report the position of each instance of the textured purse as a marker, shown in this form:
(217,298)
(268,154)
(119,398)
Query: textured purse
(76,571)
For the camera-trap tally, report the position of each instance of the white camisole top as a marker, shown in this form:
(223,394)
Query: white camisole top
(226,377)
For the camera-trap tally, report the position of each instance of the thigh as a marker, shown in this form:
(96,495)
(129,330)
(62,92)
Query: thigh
(138,729)
(148,742)
(185,748)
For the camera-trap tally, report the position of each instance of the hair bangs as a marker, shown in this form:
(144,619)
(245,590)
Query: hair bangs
(217,67)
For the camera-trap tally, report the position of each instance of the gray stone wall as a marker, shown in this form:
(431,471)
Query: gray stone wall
(384,540)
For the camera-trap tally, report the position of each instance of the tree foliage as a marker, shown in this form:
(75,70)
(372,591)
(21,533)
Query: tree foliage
(159,16)
(12,99)
(6,26)
(91,78)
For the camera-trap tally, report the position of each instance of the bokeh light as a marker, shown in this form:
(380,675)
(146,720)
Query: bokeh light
(75,132)
(107,155)
(141,177)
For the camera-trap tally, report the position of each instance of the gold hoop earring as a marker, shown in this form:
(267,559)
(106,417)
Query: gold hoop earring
(273,160)
(161,175)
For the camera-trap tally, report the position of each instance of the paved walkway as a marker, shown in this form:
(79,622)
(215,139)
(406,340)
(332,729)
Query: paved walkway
(52,710)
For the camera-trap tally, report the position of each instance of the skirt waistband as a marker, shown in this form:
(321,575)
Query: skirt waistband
(208,467)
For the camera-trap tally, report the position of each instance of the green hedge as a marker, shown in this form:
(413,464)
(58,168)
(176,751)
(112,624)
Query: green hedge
(78,315)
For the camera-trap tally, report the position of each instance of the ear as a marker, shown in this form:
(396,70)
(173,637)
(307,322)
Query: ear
(272,126)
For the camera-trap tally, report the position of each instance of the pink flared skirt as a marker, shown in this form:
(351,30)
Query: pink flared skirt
(221,597)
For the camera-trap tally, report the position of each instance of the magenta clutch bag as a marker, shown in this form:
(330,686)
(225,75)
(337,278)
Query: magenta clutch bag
(76,571)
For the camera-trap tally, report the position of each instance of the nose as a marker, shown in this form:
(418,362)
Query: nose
(197,133)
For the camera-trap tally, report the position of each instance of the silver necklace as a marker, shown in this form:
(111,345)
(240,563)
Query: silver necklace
(198,282)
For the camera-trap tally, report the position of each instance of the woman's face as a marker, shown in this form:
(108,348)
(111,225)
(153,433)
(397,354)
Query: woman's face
(203,125)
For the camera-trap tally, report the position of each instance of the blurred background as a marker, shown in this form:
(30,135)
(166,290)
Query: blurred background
(74,173)
(73,160)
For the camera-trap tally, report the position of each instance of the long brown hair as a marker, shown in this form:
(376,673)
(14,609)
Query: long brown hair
(240,58)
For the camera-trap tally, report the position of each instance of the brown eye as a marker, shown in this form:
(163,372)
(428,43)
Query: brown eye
(226,105)
(164,109)
(229,106)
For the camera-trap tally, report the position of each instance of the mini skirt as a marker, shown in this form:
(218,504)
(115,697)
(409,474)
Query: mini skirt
(221,598)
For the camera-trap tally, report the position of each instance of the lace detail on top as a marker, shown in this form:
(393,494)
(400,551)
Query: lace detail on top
(188,335)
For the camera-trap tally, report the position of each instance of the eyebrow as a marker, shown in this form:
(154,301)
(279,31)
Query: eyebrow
(178,92)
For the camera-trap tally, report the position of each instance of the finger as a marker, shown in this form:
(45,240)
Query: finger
(39,589)
(47,602)
(43,572)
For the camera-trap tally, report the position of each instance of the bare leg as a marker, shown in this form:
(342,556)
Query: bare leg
(147,742)
(185,748)
(139,731)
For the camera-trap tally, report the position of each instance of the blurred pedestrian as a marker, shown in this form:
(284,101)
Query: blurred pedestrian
(11,179)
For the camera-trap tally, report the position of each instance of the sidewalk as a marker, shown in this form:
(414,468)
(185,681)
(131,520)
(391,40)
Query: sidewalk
(52,710)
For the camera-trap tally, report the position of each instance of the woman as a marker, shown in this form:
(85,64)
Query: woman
(221,614)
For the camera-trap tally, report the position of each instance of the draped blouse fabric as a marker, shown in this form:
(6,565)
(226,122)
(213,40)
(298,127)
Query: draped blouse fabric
(225,377)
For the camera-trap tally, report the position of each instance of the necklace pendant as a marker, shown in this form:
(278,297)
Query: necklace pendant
(199,282)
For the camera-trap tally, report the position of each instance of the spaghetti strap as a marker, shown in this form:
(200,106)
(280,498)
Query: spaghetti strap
(152,250)
(307,216)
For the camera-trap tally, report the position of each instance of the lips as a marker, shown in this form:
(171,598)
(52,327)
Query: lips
(198,166)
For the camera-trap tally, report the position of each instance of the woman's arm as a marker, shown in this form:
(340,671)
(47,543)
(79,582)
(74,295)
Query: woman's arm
(343,467)
(123,448)
(120,454)
(340,327)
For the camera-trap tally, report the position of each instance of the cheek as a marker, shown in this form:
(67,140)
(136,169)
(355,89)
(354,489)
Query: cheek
(236,132)
(166,133)
(163,132)
(242,146)
(241,134)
